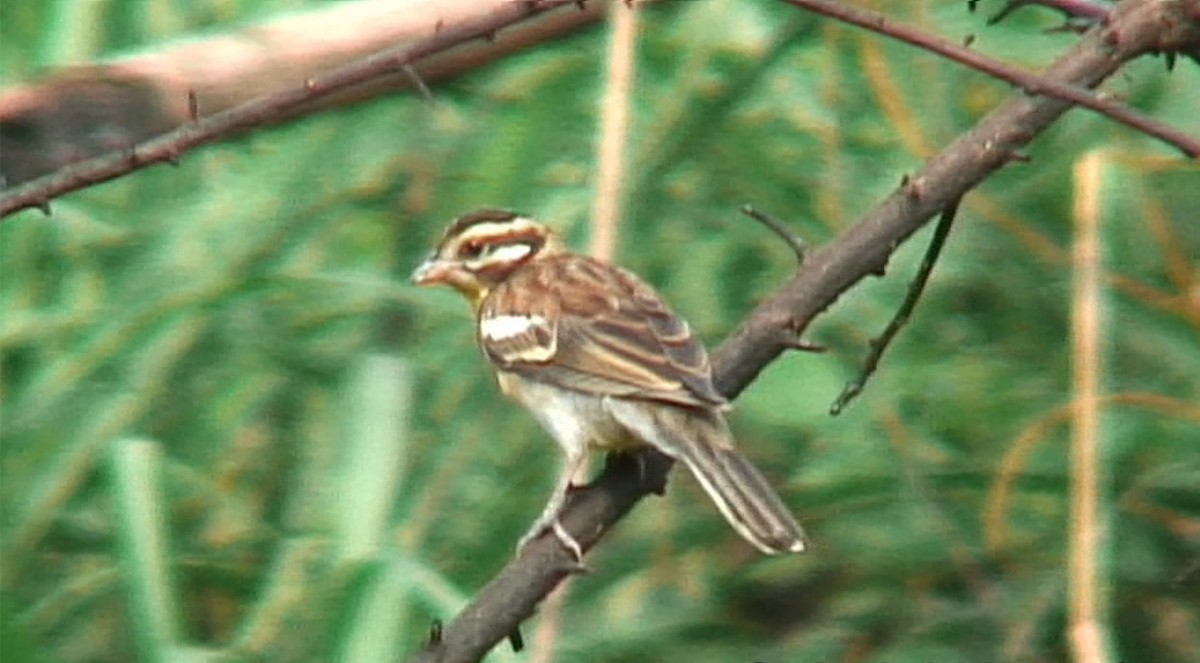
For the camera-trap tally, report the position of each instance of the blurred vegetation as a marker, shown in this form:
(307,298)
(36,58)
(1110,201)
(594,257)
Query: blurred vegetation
(229,353)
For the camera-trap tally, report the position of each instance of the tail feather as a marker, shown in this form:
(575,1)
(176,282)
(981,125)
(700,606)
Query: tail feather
(701,440)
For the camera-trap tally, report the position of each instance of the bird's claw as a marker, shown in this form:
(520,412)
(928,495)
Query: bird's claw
(564,537)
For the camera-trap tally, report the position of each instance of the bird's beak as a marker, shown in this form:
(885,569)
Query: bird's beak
(431,271)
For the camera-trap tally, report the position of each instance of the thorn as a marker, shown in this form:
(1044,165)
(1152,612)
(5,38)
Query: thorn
(435,633)
(1073,25)
(193,106)
(916,189)
(972,5)
(1188,574)
(904,180)
(44,206)
(417,82)
(310,85)
(881,270)
(968,40)
(658,487)
(844,399)
(134,159)
(1019,155)
(1170,58)
(1008,8)
(801,345)
(516,640)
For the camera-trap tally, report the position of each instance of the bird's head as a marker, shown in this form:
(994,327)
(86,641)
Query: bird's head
(483,248)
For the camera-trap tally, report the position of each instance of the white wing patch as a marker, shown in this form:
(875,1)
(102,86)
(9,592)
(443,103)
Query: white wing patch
(501,327)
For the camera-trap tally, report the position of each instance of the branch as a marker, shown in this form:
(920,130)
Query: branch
(512,596)
(75,113)
(168,147)
(1076,93)
(877,345)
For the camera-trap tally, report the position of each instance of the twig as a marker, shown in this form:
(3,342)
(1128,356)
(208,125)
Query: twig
(1030,83)
(168,147)
(516,640)
(1188,574)
(799,248)
(879,344)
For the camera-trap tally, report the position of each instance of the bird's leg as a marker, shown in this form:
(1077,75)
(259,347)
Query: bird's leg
(548,520)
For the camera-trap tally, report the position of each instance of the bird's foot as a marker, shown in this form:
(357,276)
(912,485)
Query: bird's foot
(564,537)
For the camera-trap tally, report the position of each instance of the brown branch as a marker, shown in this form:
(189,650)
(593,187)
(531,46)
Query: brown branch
(1031,83)
(168,147)
(511,597)
(75,113)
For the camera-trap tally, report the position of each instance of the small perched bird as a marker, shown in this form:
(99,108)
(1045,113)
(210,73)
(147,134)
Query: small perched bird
(601,362)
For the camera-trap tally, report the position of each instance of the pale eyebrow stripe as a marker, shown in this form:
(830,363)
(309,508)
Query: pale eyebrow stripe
(510,252)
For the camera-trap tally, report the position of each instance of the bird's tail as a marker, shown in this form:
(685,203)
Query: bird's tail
(701,439)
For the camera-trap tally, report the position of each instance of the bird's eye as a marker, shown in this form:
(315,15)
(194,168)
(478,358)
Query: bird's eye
(472,250)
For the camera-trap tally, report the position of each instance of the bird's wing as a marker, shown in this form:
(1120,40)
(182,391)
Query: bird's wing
(582,324)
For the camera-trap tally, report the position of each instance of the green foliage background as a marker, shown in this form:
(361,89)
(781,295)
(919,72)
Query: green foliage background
(249,314)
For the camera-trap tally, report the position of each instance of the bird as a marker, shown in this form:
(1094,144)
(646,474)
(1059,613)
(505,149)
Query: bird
(601,361)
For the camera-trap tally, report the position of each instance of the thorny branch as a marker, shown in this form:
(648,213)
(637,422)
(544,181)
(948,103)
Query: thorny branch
(1140,27)
(1032,83)
(168,147)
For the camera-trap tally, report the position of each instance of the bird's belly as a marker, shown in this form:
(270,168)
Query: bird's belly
(572,417)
